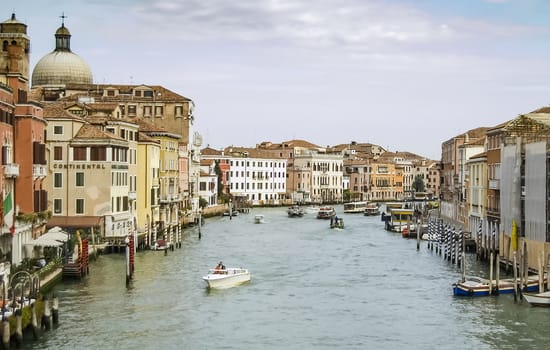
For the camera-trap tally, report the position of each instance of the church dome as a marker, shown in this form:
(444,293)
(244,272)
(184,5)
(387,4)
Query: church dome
(61,66)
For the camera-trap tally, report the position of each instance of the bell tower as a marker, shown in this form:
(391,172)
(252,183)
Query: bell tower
(14,54)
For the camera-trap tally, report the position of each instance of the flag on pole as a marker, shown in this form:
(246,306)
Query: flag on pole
(8,211)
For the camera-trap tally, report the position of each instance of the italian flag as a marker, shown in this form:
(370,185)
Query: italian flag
(8,210)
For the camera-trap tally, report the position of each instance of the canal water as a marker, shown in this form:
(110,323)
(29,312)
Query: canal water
(311,288)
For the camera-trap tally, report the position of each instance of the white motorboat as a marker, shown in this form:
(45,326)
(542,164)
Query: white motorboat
(259,219)
(295,211)
(538,299)
(326,213)
(226,278)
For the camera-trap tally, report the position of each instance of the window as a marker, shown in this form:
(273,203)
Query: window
(110,92)
(79,179)
(147,93)
(58,180)
(98,153)
(178,111)
(147,111)
(57,204)
(137,93)
(58,153)
(79,206)
(58,130)
(131,110)
(79,153)
(159,110)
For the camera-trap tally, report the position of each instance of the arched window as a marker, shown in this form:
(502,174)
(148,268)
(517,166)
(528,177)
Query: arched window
(5,45)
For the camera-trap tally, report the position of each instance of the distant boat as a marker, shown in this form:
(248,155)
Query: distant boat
(355,207)
(311,210)
(337,223)
(295,211)
(234,213)
(258,219)
(539,299)
(372,209)
(326,213)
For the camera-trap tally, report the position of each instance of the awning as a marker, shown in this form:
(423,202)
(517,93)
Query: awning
(57,234)
(45,242)
(54,237)
(74,221)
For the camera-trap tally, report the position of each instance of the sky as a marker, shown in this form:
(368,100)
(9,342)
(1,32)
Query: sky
(404,74)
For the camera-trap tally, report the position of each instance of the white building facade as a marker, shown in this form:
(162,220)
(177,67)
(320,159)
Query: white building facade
(256,176)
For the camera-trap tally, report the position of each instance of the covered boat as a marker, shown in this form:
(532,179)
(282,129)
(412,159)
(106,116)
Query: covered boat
(326,213)
(372,209)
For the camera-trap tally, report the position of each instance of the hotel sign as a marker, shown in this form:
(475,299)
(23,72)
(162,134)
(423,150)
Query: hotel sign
(79,166)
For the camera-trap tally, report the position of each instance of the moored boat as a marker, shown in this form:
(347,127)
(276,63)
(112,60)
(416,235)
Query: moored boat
(538,299)
(477,286)
(161,244)
(221,278)
(259,219)
(397,219)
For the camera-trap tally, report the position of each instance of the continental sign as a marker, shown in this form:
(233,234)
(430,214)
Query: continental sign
(88,166)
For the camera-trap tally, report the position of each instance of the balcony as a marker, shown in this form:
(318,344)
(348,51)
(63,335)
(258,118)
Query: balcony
(132,195)
(11,170)
(494,184)
(39,171)
(169,198)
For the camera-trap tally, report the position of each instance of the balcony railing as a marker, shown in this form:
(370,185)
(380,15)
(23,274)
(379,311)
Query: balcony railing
(39,171)
(11,170)
(168,198)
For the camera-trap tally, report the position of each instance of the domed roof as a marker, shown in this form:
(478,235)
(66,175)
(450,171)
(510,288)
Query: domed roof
(63,31)
(61,66)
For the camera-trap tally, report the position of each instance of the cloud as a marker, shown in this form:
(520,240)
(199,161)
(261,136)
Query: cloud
(352,27)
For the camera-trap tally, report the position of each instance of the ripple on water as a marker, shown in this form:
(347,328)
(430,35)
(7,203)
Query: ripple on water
(311,288)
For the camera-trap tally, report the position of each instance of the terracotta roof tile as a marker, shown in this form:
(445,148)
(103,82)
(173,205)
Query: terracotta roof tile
(88,131)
